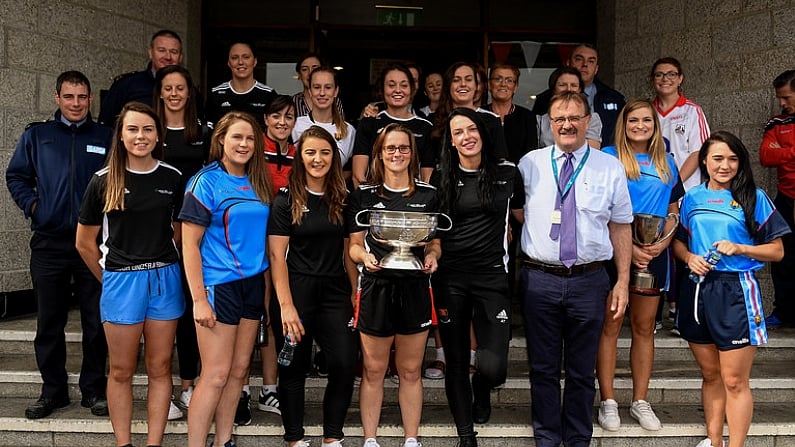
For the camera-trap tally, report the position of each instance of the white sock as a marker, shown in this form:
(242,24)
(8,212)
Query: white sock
(440,354)
(269,388)
(247,389)
(471,357)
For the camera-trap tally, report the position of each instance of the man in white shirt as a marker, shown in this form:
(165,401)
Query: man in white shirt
(571,231)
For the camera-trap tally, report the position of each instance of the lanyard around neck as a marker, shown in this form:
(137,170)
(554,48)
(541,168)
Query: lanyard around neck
(573,175)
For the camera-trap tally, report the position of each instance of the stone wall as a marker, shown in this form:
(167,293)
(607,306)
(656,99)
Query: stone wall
(730,51)
(40,39)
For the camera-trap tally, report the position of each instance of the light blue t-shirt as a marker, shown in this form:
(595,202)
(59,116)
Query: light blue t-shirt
(709,216)
(649,193)
(233,246)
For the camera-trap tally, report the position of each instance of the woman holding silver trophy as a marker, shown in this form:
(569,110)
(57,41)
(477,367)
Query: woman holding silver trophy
(730,222)
(394,300)
(655,189)
(478,191)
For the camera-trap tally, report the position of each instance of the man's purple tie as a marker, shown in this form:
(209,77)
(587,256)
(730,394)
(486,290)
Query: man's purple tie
(568,216)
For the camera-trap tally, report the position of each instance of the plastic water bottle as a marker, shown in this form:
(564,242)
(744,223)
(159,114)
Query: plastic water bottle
(712,257)
(262,333)
(287,352)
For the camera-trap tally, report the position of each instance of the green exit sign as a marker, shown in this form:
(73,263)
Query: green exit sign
(398,16)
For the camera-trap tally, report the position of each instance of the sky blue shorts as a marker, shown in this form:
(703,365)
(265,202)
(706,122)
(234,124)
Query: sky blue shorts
(130,297)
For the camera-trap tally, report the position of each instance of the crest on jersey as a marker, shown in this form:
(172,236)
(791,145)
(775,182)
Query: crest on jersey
(680,129)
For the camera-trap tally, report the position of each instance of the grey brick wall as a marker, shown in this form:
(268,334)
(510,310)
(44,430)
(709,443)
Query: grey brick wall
(41,38)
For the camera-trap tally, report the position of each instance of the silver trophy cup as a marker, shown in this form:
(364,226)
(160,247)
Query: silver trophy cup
(647,230)
(402,230)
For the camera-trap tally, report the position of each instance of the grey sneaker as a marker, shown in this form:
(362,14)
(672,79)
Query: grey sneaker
(608,415)
(641,411)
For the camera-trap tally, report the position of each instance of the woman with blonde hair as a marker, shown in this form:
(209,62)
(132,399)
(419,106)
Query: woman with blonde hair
(225,215)
(655,189)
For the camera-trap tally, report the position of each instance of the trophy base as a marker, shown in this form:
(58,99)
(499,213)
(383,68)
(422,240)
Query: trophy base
(642,283)
(392,261)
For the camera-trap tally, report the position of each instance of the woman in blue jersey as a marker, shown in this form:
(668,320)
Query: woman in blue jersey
(185,148)
(471,286)
(393,305)
(225,215)
(654,188)
(313,278)
(721,312)
(134,201)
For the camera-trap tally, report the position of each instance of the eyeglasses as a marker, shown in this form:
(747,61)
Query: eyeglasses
(403,149)
(574,120)
(670,75)
(500,80)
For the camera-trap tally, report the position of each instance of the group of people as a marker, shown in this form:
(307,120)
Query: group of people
(203,226)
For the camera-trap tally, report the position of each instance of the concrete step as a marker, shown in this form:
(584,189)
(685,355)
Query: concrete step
(671,383)
(510,426)
(16,337)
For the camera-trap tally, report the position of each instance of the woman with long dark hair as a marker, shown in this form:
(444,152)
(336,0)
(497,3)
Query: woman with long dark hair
(459,85)
(393,306)
(737,226)
(397,88)
(225,215)
(313,278)
(134,200)
(478,192)
(185,147)
(655,189)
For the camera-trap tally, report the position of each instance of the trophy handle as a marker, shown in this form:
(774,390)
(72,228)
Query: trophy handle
(450,221)
(676,219)
(361,224)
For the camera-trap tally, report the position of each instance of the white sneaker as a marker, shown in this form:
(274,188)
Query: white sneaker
(370,442)
(301,443)
(411,442)
(337,443)
(184,398)
(641,411)
(608,415)
(174,412)
(706,442)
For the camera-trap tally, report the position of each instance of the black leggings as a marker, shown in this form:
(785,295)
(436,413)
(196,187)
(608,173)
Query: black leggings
(324,305)
(187,346)
(481,299)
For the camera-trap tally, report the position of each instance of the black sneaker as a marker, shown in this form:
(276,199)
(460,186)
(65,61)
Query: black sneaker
(243,413)
(321,365)
(467,441)
(45,406)
(481,407)
(97,404)
(268,402)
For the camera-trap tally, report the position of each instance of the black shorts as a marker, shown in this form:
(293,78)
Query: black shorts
(727,311)
(244,298)
(389,306)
